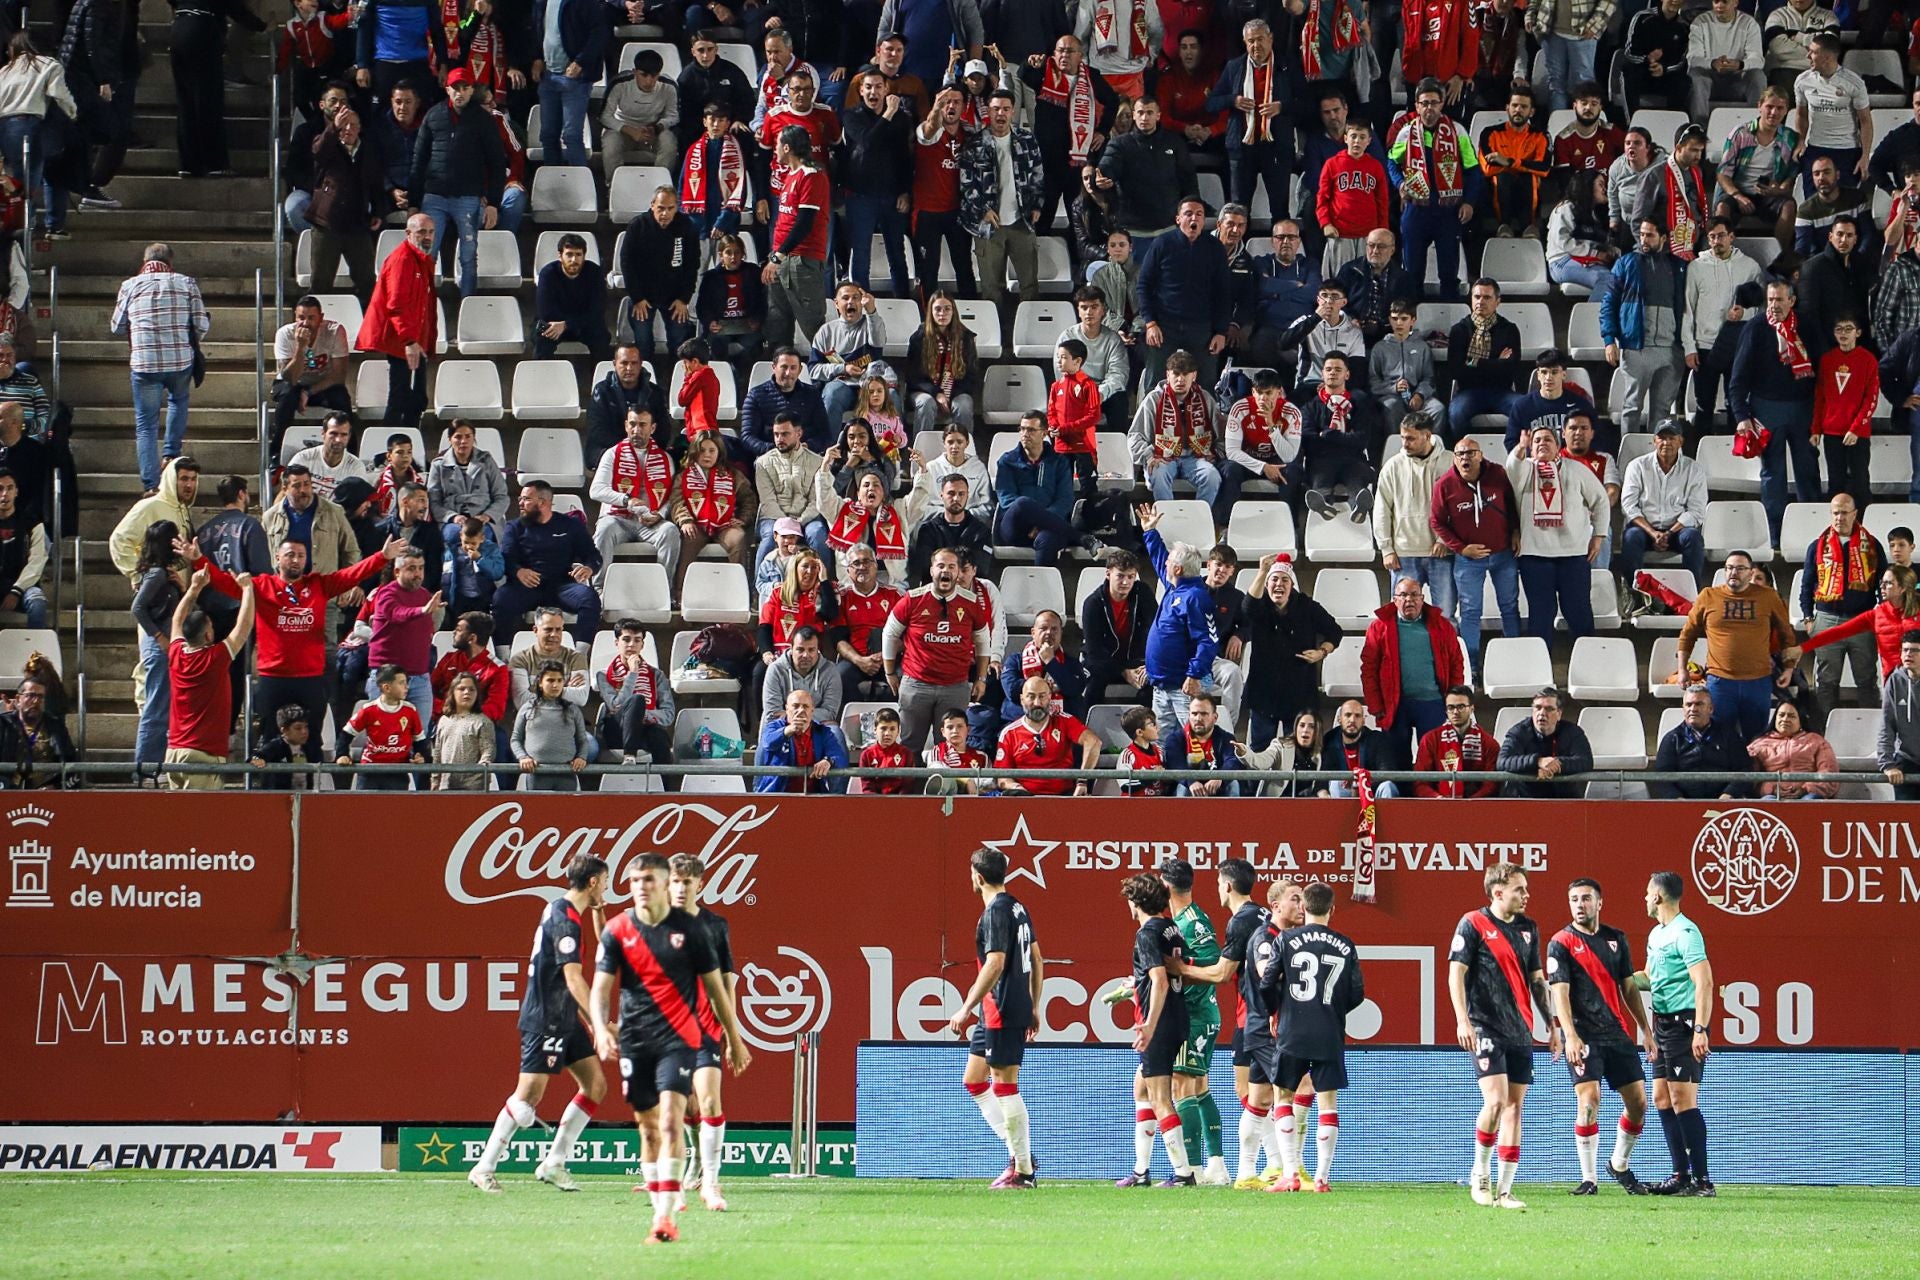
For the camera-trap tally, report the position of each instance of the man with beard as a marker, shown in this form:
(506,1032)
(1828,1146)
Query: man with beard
(1590,142)
(1072,116)
(1514,156)
(1674,195)
(1374,283)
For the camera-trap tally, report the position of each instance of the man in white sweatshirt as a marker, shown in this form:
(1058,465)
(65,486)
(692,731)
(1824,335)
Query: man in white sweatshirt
(1562,513)
(1403,513)
(1712,279)
(1725,60)
(1106,361)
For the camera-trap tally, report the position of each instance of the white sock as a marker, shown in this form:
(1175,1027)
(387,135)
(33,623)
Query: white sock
(672,1169)
(505,1125)
(1482,1155)
(1176,1143)
(1623,1141)
(691,1135)
(713,1139)
(1326,1140)
(1586,1141)
(1508,1164)
(573,1122)
(1143,1130)
(1274,1144)
(1302,1108)
(990,1108)
(1284,1128)
(1019,1141)
(650,1176)
(1256,1128)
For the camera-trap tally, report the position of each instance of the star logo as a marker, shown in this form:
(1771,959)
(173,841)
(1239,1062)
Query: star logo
(434,1151)
(1024,853)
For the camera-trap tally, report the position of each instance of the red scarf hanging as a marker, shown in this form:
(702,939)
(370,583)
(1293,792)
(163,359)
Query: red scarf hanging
(1346,34)
(1685,208)
(487,56)
(1366,862)
(1842,566)
(694,196)
(1445,170)
(1076,99)
(1549,497)
(1182,417)
(1031,666)
(643,680)
(1109,30)
(155,269)
(1339,408)
(646,477)
(1903,225)
(1459,752)
(883,530)
(450,27)
(709,495)
(1793,352)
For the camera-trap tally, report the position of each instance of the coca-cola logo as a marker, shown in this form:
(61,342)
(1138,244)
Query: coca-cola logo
(499,857)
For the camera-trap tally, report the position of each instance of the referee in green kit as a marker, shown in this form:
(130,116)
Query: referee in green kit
(1681,981)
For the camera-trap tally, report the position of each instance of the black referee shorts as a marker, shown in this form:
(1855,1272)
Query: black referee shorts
(1673,1032)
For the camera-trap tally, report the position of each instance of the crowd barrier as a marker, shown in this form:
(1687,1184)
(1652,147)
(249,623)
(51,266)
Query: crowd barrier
(359,958)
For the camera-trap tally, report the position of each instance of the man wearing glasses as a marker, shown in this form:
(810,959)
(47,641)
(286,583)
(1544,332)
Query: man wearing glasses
(1433,163)
(1473,515)
(1287,287)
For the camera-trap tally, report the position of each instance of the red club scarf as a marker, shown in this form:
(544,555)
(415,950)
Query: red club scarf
(709,495)
(1346,34)
(1458,752)
(651,488)
(881,529)
(1031,666)
(694,197)
(1550,497)
(1258,87)
(1843,566)
(1793,352)
(1446,170)
(1075,97)
(1125,37)
(1366,862)
(643,680)
(1179,417)
(1339,408)
(1686,207)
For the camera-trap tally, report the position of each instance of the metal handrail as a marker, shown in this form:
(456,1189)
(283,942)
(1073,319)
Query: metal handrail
(26,236)
(53,515)
(53,325)
(80,641)
(259,340)
(273,195)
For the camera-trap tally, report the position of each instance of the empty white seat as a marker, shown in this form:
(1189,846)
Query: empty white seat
(1010,390)
(1352,596)
(1520,265)
(1737,525)
(17,644)
(687,680)
(490,326)
(565,195)
(715,591)
(1037,326)
(1340,673)
(982,318)
(1604,595)
(1804,522)
(552,454)
(1438,317)
(1026,590)
(1882,516)
(637,590)
(345,309)
(1726,473)
(631,191)
(713,784)
(1762,249)
(1662,663)
(1890,464)
(1257,528)
(497,265)
(467,389)
(1875,66)
(1056,266)
(545,391)
(1603,670)
(1516,667)
(1583,332)
(901,319)
(1535,323)
(1187,520)
(1339,540)
(1618,739)
(1115,461)
(1853,733)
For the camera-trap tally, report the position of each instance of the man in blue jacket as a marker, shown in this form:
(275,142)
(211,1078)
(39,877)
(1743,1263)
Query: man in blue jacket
(1184,294)
(549,561)
(795,740)
(1185,638)
(1640,323)
(784,392)
(573,36)
(1033,489)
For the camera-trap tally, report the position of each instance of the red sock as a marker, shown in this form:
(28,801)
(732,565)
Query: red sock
(586,1104)
(976,1088)
(1005,1090)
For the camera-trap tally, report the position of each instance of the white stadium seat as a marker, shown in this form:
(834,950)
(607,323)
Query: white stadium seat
(631,191)
(1036,325)
(1351,595)
(1737,526)
(545,391)
(637,590)
(1618,739)
(552,454)
(1256,528)
(715,591)
(1026,590)
(490,326)
(1516,667)
(1603,670)
(565,195)
(467,389)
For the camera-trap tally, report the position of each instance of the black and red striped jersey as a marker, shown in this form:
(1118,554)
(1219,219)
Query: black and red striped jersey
(1004,927)
(659,968)
(1501,957)
(1593,965)
(721,940)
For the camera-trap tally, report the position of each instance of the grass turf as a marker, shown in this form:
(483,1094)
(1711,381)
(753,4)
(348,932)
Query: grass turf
(252,1226)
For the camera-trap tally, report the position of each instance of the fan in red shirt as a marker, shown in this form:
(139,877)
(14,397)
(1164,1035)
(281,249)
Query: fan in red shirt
(1182,90)
(821,125)
(1352,199)
(393,732)
(1589,142)
(1073,413)
(936,194)
(471,654)
(699,388)
(1458,745)
(1045,739)
(886,752)
(935,645)
(865,604)
(200,713)
(1846,389)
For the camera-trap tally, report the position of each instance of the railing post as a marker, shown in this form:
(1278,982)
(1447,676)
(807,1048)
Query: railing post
(273,198)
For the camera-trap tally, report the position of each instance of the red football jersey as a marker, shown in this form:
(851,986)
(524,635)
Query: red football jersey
(390,734)
(805,189)
(942,636)
(1055,745)
(862,614)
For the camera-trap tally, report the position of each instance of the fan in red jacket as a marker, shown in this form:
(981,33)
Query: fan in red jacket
(1461,746)
(1438,39)
(1410,657)
(401,321)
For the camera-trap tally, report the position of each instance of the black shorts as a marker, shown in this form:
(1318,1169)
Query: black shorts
(1327,1073)
(548,1055)
(1169,1038)
(1261,1054)
(648,1072)
(1491,1058)
(711,1053)
(1673,1032)
(1000,1046)
(1239,1050)
(1617,1064)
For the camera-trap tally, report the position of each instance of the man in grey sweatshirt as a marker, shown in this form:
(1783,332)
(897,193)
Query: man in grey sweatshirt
(1898,751)
(801,667)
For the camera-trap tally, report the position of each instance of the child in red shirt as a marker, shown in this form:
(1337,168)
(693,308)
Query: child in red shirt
(1073,414)
(886,752)
(954,753)
(1141,755)
(699,387)
(1846,389)
(393,730)
(1352,200)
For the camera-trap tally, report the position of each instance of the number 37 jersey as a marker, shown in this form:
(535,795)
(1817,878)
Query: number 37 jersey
(1319,984)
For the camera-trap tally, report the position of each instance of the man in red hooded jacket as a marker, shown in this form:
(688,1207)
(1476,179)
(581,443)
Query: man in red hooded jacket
(400,322)
(1410,657)
(1438,39)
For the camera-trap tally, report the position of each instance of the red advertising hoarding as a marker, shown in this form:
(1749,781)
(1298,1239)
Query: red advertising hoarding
(852,916)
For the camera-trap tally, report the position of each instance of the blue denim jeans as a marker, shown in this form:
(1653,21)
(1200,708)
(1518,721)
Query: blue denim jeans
(1200,473)
(678,331)
(1746,704)
(1593,275)
(294,208)
(1557,585)
(150,392)
(1788,421)
(1432,572)
(866,215)
(513,209)
(1469,589)
(563,117)
(1568,63)
(419,693)
(815,532)
(463,213)
(15,132)
(150,737)
(1689,543)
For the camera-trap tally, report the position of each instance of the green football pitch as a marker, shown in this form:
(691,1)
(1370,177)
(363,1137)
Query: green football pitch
(257,1226)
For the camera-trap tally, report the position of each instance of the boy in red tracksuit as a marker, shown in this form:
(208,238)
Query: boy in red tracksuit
(886,751)
(1073,414)
(699,387)
(1846,389)
(1352,199)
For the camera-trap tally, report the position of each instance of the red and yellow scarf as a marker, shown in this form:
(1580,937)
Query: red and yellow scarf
(709,495)
(694,197)
(881,529)
(1444,178)
(1123,35)
(1182,417)
(650,488)
(1685,208)
(1843,566)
